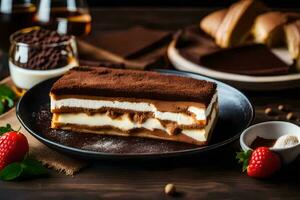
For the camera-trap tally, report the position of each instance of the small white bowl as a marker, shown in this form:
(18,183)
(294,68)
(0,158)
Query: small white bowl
(27,78)
(273,130)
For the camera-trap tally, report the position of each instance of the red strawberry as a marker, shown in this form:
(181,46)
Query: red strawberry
(262,164)
(13,148)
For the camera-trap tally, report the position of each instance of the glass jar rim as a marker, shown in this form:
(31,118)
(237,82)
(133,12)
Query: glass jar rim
(29,29)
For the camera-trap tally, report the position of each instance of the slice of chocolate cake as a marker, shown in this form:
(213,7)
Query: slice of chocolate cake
(134,103)
(255,60)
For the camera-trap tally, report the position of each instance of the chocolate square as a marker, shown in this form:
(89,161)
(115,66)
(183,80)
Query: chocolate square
(132,42)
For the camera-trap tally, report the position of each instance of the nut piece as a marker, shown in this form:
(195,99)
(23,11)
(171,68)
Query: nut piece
(281,108)
(170,189)
(290,116)
(269,111)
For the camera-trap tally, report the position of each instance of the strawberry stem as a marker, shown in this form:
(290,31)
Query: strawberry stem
(18,131)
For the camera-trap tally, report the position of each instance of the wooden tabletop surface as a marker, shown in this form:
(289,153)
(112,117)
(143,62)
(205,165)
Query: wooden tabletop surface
(213,176)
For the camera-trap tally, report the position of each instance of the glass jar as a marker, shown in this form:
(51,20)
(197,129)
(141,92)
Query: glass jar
(30,64)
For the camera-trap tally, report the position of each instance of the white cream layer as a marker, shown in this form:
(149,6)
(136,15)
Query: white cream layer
(179,118)
(124,123)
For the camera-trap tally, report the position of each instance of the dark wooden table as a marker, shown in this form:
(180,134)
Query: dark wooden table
(213,176)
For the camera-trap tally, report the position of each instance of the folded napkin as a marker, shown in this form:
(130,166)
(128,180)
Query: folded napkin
(39,151)
(135,48)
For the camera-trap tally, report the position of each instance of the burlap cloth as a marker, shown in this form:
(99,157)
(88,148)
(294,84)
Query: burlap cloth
(39,151)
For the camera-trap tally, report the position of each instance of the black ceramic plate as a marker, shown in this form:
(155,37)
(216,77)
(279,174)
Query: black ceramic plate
(236,113)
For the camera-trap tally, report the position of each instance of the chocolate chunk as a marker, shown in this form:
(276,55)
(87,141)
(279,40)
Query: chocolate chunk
(131,43)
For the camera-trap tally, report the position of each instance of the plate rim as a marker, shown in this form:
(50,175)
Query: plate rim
(95,154)
(175,58)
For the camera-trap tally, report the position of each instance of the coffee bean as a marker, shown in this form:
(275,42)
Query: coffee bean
(269,111)
(281,107)
(290,116)
(170,189)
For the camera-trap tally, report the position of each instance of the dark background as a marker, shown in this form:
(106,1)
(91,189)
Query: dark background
(188,3)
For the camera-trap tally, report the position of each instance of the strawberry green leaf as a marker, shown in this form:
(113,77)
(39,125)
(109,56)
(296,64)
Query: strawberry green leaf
(5,91)
(11,172)
(5,129)
(7,97)
(28,168)
(33,167)
(2,107)
(10,102)
(243,157)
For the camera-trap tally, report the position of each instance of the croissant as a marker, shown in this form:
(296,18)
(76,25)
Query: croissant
(211,22)
(292,34)
(236,25)
(268,27)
